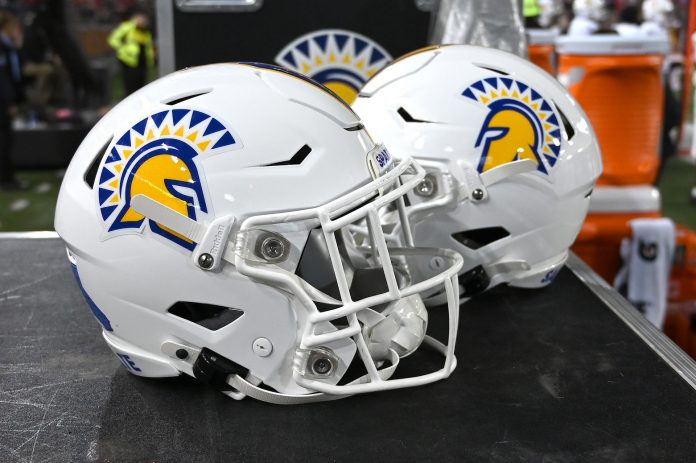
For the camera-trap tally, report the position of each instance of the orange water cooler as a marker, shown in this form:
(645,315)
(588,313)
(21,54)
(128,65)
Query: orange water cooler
(618,82)
(542,48)
(680,321)
(682,287)
(607,223)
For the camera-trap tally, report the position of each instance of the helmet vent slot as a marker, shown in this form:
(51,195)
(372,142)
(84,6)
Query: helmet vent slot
(480,237)
(296,158)
(91,173)
(488,68)
(212,317)
(570,131)
(354,128)
(407,117)
(187,97)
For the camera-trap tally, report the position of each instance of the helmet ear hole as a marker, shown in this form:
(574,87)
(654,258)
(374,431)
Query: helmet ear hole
(208,316)
(91,173)
(480,237)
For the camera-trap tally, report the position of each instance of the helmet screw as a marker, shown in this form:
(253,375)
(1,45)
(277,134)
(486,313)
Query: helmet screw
(322,366)
(437,263)
(182,353)
(205,260)
(477,194)
(426,187)
(272,248)
(262,347)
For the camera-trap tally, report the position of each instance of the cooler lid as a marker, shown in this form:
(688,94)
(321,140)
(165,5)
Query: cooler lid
(611,44)
(542,36)
(626,199)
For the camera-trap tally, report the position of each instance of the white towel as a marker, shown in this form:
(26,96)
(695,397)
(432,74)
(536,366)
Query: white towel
(647,259)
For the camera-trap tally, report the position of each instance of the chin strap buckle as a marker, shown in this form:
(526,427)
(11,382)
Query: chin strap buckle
(474,281)
(214,369)
(478,279)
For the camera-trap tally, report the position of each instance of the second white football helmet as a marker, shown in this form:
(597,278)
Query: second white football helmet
(657,11)
(511,160)
(591,9)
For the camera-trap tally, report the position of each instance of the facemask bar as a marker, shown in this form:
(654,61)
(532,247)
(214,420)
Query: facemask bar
(393,185)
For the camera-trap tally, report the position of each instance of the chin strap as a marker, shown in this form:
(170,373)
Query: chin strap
(248,388)
(501,268)
(479,278)
(503,271)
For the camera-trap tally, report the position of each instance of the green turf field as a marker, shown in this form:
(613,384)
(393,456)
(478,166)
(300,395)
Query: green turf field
(677,180)
(34,209)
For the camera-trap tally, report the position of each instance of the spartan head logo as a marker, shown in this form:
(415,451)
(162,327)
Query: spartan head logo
(159,157)
(341,60)
(520,124)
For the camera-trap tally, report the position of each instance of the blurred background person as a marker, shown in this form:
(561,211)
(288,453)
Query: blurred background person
(11,94)
(51,43)
(658,22)
(132,41)
(531,11)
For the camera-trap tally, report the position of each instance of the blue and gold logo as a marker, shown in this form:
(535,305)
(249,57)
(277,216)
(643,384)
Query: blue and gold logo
(520,124)
(159,157)
(341,60)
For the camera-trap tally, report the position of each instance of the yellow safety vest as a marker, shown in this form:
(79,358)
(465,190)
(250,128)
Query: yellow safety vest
(126,39)
(531,8)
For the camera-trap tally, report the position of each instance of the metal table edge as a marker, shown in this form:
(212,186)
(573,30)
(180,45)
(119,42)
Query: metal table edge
(676,358)
(29,235)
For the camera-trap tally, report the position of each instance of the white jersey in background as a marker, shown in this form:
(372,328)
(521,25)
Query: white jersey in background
(582,26)
(653,29)
(627,29)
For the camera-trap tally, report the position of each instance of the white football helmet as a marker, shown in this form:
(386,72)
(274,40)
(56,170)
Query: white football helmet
(511,160)
(657,11)
(204,217)
(591,9)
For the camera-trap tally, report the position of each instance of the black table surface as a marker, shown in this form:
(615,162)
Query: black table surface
(544,375)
